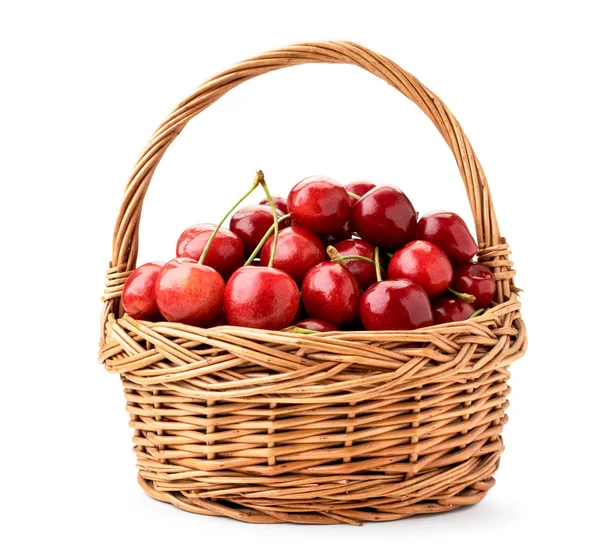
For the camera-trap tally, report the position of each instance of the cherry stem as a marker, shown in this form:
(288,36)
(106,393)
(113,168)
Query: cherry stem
(354,195)
(477,313)
(261,179)
(389,254)
(299,330)
(335,256)
(356,234)
(216,230)
(469,298)
(265,238)
(377,265)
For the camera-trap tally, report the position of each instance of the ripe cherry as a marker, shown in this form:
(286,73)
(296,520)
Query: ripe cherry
(449,309)
(297,251)
(477,280)
(316,324)
(331,293)
(449,231)
(226,252)
(280,204)
(395,305)
(251,223)
(423,263)
(188,292)
(385,217)
(138,296)
(363,271)
(359,188)
(319,204)
(261,297)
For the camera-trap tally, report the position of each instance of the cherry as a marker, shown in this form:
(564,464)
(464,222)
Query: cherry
(448,309)
(477,280)
(316,324)
(251,223)
(359,188)
(331,293)
(385,217)
(319,204)
(298,250)
(395,305)
(261,297)
(188,292)
(280,204)
(331,238)
(138,296)
(226,252)
(449,231)
(423,263)
(363,271)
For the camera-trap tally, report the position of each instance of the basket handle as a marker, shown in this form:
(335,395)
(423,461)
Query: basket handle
(125,237)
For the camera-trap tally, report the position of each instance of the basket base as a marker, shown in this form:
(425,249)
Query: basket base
(429,500)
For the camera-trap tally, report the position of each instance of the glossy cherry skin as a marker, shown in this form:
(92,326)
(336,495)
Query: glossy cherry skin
(319,204)
(226,252)
(331,238)
(359,188)
(139,297)
(190,293)
(280,203)
(449,309)
(450,232)
(423,263)
(261,297)
(475,279)
(250,224)
(385,217)
(395,305)
(317,324)
(298,250)
(364,272)
(331,293)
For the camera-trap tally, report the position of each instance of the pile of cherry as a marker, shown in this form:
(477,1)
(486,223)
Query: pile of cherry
(327,258)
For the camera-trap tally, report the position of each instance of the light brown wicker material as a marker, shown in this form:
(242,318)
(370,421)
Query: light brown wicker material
(347,427)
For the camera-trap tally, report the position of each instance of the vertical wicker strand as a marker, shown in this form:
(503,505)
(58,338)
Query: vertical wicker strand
(210,427)
(271,444)
(414,440)
(349,430)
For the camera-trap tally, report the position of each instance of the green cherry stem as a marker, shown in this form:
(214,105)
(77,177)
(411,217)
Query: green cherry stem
(265,238)
(377,265)
(389,254)
(469,298)
(477,313)
(335,256)
(354,195)
(261,179)
(255,184)
(299,330)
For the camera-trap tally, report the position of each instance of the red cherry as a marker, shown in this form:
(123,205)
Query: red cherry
(422,263)
(475,279)
(251,223)
(449,231)
(395,305)
(359,188)
(190,293)
(364,272)
(297,251)
(332,238)
(317,324)
(138,296)
(226,252)
(319,204)
(261,297)
(385,217)
(449,309)
(280,204)
(331,293)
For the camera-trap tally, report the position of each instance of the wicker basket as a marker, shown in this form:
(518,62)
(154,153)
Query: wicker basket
(346,427)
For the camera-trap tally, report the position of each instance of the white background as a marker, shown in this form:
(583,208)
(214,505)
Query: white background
(83,86)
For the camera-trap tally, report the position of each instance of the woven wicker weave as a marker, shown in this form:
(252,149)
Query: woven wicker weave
(347,427)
